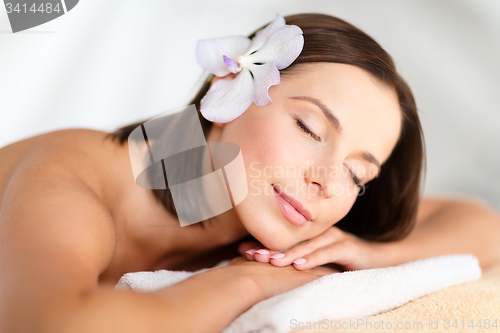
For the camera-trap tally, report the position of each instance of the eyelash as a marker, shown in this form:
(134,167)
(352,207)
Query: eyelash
(356,180)
(307,130)
(317,138)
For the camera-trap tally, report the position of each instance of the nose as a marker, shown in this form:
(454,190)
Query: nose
(315,184)
(322,180)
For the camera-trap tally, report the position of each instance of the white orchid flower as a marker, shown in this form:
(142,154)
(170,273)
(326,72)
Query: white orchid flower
(257,62)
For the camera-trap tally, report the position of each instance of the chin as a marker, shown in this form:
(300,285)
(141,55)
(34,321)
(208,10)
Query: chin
(272,236)
(271,243)
(265,223)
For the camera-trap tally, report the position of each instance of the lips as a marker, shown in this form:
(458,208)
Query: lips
(292,209)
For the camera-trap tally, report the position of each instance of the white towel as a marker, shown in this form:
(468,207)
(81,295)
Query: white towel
(149,281)
(350,294)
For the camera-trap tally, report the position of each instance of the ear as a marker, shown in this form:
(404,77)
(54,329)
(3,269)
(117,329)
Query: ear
(229,76)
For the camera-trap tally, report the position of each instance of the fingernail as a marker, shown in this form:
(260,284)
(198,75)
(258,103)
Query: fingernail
(299,261)
(251,252)
(277,256)
(262,251)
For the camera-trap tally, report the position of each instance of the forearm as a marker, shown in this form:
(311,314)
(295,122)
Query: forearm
(205,302)
(216,298)
(458,227)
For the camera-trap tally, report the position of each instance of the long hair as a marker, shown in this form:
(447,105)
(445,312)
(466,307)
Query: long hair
(387,209)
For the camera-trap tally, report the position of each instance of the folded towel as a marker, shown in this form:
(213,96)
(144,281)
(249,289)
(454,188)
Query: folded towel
(350,294)
(150,281)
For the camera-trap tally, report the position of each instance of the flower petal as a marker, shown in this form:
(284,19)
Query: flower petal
(262,35)
(282,47)
(226,100)
(231,64)
(209,52)
(264,76)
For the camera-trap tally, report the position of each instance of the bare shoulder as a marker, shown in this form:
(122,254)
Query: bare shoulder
(52,213)
(431,205)
(83,152)
(58,233)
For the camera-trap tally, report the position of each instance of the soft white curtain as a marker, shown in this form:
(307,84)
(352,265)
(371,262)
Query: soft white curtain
(108,63)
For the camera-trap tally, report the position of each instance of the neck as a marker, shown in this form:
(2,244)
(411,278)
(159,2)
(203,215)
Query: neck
(150,235)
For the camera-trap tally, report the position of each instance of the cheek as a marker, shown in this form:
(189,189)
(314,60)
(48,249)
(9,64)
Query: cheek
(344,203)
(336,208)
(264,137)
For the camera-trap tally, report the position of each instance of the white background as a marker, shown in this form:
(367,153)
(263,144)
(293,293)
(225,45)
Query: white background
(109,63)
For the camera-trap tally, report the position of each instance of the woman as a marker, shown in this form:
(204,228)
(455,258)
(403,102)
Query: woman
(74,221)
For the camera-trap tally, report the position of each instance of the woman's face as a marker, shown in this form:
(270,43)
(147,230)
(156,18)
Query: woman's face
(325,121)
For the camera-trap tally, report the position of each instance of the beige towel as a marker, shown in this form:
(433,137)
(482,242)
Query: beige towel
(479,300)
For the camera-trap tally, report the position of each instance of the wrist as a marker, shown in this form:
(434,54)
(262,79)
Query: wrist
(391,253)
(251,283)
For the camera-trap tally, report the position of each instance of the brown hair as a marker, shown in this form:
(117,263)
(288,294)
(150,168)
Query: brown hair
(387,209)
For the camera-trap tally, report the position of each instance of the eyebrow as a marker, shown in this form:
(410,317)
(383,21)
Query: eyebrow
(326,111)
(334,121)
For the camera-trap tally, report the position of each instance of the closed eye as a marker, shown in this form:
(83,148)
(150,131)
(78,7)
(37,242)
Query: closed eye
(305,129)
(355,179)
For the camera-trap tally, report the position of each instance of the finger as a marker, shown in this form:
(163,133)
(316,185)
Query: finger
(330,236)
(254,250)
(322,270)
(249,254)
(262,255)
(341,253)
(245,246)
(259,254)
(248,248)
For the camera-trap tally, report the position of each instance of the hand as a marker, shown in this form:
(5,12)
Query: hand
(332,246)
(275,280)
